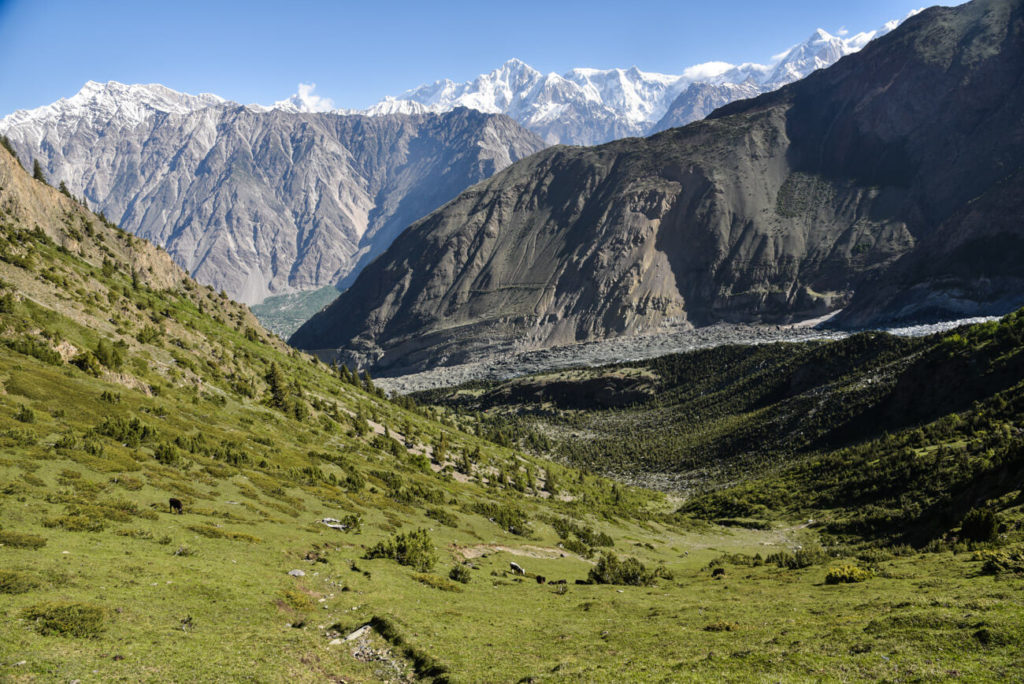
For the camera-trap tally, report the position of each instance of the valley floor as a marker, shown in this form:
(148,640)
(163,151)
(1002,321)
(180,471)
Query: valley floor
(670,340)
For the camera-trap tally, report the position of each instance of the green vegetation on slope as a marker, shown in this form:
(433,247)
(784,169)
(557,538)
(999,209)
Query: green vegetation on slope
(123,384)
(873,436)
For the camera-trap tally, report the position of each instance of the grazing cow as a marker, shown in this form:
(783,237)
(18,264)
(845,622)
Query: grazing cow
(517,569)
(541,579)
(176,506)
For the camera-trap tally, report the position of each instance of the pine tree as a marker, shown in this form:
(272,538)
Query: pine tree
(64,189)
(37,171)
(6,142)
(344,374)
(278,392)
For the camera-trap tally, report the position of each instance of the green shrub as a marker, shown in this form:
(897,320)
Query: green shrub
(129,431)
(999,562)
(507,517)
(721,626)
(414,549)
(20,540)
(847,574)
(63,618)
(610,570)
(217,533)
(25,415)
(460,573)
(442,516)
(979,525)
(88,363)
(435,582)
(802,558)
(78,519)
(298,600)
(14,582)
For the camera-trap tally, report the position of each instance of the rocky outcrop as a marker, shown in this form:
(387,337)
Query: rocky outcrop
(773,209)
(700,99)
(257,202)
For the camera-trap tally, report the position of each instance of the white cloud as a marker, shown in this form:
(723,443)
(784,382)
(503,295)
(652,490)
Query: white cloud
(307,101)
(707,70)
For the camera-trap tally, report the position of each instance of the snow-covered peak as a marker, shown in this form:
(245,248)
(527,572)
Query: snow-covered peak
(126,105)
(587,105)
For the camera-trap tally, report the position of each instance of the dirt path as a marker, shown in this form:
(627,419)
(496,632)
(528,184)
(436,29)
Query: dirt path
(477,550)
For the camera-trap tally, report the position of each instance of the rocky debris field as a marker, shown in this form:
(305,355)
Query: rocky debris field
(634,348)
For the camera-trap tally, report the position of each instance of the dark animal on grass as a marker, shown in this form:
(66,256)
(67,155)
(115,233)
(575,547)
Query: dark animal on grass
(561,581)
(541,579)
(176,506)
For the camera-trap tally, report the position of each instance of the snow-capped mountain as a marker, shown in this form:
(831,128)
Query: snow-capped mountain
(253,200)
(590,106)
(107,105)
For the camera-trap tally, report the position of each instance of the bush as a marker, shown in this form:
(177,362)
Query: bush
(79,519)
(14,582)
(88,363)
(63,618)
(414,549)
(610,570)
(442,516)
(217,533)
(507,517)
(436,582)
(298,600)
(998,562)
(19,540)
(846,574)
(25,415)
(721,626)
(979,525)
(803,558)
(460,573)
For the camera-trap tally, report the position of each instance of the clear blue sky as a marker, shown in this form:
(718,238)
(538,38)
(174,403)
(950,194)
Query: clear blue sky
(357,52)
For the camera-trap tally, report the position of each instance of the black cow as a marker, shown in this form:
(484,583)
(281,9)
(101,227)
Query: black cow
(176,506)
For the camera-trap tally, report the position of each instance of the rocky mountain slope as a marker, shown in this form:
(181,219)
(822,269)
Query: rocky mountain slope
(773,209)
(592,106)
(254,201)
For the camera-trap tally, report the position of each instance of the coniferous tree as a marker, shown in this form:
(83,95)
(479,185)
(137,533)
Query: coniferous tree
(6,142)
(37,171)
(344,374)
(276,382)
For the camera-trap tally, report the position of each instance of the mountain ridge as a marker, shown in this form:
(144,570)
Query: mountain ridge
(772,209)
(260,202)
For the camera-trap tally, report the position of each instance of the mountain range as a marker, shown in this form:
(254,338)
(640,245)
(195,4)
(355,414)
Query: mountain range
(295,198)
(588,106)
(889,184)
(258,201)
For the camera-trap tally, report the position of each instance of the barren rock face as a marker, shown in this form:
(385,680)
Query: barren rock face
(776,208)
(265,202)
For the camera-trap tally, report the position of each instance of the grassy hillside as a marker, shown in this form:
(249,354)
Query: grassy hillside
(124,384)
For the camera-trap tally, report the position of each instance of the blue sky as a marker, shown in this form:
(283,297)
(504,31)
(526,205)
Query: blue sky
(356,53)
